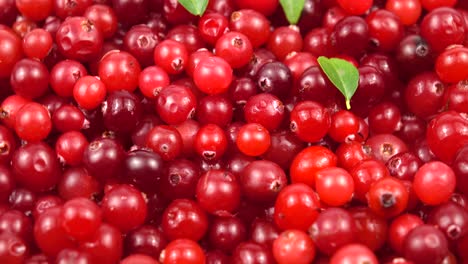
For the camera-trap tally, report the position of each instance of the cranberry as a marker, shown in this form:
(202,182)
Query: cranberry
(124,207)
(184,219)
(35,166)
(119,70)
(295,246)
(434,183)
(418,248)
(354,253)
(296,207)
(446,134)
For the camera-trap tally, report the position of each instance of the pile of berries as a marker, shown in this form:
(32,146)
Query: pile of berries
(134,132)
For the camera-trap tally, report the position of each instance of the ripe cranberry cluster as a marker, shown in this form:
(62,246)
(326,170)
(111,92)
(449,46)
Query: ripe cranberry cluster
(134,132)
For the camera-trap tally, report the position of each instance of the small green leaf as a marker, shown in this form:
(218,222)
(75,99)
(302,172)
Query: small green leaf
(292,9)
(195,7)
(343,74)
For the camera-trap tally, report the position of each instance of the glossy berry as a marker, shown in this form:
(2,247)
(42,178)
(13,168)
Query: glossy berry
(145,239)
(293,246)
(351,29)
(89,92)
(425,243)
(29,78)
(36,167)
(434,183)
(70,147)
(333,229)
(64,75)
(385,30)
(407,10)
(261,181)
(105,246)
(218,192)
(334,186)
(175,104)
(446,134)
(451,219)
(171,55)
(307,163)
(354,253)
(424,94)
(124,207)
(253,139)
(310,121)
(165,141)
(11,52)
(450,64)
(103,17)
(213,75)
(285,40)
(251,23)
(251,252)
(296,207)
(210,142)
(119,70)
(184,219)
(226,233)
(264,109)
(440,35)
(103,158)
(235,48)
(35,10)
(355,8)
(274,77)
(371,229)
(80,218)
(344,124)
(152,80)
(49,233)
(387,197)
(33,122)
(182,251)
(77,182)
(212,25)
(37,43)
(78,38)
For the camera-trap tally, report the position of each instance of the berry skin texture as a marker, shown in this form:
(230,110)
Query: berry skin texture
(36,167)
(293,246)
(446,134)
(354,253)
(182,251)
(334,186)
(124,207)
(296,207)
(253,139)
(33,122)
(310,121)
(218,192)
(387,197)
(10,51)
(80,218)
(434,183)
(355,7)
(307,163)
(452,64)
(425,244)
(119,70)
(213,75)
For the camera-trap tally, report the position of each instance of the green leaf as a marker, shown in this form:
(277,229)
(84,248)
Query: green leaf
(195,7)
(343,74)
(292,9)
